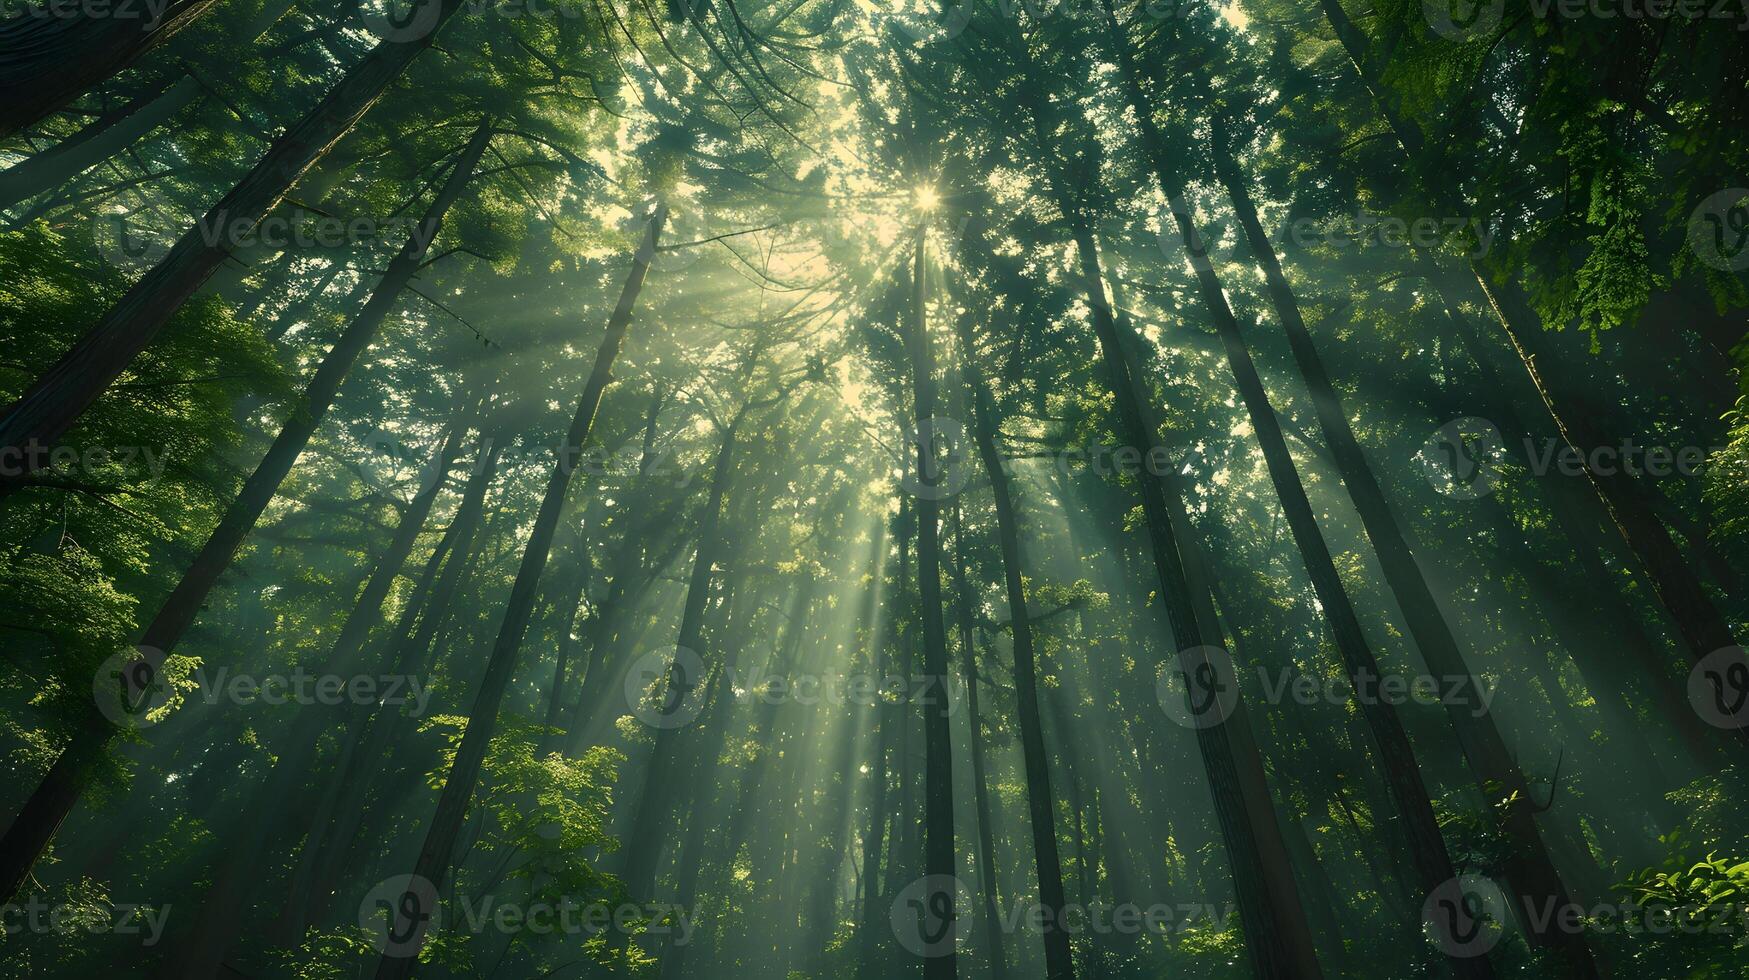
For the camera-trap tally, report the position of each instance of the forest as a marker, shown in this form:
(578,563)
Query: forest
(874,489)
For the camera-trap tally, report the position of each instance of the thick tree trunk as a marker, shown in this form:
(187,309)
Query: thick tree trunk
(1276,929)
(23,843)
(1536,880)
(40,416)
(48,58)
(938,850)
(437,852)
(1041,804)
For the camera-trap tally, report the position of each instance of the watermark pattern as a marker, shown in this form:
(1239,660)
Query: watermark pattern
(928,922)
(34,458)
(1469,915)
(838,690)
(1718,230)
(1468,236)
(1718,688)
(131,244)
(130,690)
(38,916)
(399,912)
(925,916)
(667,689)
(1463,20)
(150,13)
(1465,916)
(1201,690)
(944,439)
(1463,457)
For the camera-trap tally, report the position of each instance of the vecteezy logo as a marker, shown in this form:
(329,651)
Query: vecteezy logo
(398,912)
(130,687)
(1461,458)
(1461,20)
(1718,230)
(921,22)
(1465,916)
(1201,690)
(925,917)
(400,21)
(1718,688)
(387,461)
(944,439)
(666,691)
(126,245)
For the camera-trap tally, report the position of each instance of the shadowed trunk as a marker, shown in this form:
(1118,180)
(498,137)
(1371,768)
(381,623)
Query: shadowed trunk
(55,401)
(414,910)
(36,823)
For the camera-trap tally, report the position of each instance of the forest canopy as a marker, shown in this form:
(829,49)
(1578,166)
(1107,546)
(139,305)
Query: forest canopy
(854,489)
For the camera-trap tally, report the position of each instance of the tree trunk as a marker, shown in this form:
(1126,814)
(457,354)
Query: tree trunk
(458,789)
(48,59)
(201,953)
(872,927)
(1059,964)
(992,924)
(649,816)
(104,138)
(1702,627)
(55,401)
(940,963)
(1276,930)
(373,729)
(24,841)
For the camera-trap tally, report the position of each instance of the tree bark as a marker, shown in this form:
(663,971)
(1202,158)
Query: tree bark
(1041,804)
(649,819)
(24,841)
(1702,626)
(437,852)
(938,849)
(374,729)
(992,924)
(43,414)
(47,58)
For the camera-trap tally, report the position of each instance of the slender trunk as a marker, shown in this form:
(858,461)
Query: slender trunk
(1536,879)
(374,729)
(104,138)
(981,792)
(1276,930)
(41,415)
(296,310)
(649,816)
(413,911)
(1041,805)
(940,959)
(201,953)
(25,839)
(872,926)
